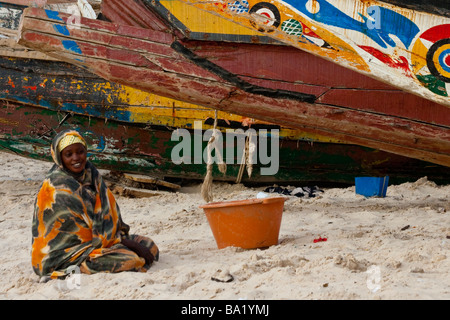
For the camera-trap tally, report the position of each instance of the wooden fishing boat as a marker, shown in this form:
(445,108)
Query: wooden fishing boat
(275,83)
(27,130)
(403,43)
(131,131)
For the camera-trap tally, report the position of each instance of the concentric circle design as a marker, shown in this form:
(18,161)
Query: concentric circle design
(265,10)
(438,60)
(430,59)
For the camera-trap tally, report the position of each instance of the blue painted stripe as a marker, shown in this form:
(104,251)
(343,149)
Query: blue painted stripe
(71,45)
(385,22)
(87,110)
(61,29)
(53,15)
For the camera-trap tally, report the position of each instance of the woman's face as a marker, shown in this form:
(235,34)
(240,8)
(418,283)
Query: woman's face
(74,157)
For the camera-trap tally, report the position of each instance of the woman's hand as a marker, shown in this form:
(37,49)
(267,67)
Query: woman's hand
(139,249)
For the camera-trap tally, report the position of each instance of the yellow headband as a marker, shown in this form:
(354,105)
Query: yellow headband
(68,140)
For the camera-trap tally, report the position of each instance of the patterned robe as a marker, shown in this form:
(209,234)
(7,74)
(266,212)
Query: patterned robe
(77,222)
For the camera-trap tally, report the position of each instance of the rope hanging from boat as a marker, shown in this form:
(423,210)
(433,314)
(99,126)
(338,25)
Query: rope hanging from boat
(207,183)
(247,157)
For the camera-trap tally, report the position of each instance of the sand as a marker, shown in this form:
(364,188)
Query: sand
(395,247)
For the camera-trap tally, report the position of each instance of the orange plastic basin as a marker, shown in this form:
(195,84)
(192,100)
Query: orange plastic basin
(248,224)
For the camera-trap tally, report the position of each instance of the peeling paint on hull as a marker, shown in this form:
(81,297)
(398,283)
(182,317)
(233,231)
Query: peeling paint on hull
(163,64)
(27,131)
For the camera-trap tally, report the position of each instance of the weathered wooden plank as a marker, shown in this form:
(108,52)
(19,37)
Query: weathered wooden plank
(263,61)
(389,102)
(101,37)
(105,47)
(100,26)
(9,48)
(135,15)
(151,180)
(134,192)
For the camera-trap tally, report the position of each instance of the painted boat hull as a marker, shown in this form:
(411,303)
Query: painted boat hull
(131,131)
(392,41)
(164,64)
(27,130)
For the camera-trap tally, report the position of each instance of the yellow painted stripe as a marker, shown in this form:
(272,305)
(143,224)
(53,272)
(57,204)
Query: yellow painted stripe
(197,20)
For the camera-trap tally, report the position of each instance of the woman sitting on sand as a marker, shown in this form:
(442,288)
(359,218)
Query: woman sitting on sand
(77,222)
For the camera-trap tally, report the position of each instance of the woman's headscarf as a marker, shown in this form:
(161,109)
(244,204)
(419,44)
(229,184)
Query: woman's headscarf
(64,139)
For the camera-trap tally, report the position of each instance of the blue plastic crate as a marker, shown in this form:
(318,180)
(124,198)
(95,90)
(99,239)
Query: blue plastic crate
(371,186)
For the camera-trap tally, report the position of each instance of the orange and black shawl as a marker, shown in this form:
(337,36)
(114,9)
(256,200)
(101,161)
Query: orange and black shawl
(77,222)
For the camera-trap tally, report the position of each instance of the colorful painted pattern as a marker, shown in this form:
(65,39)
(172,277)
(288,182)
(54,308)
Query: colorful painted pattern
(96,97)
(408,49)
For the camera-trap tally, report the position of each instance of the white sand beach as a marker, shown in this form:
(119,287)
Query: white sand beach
(397,247)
